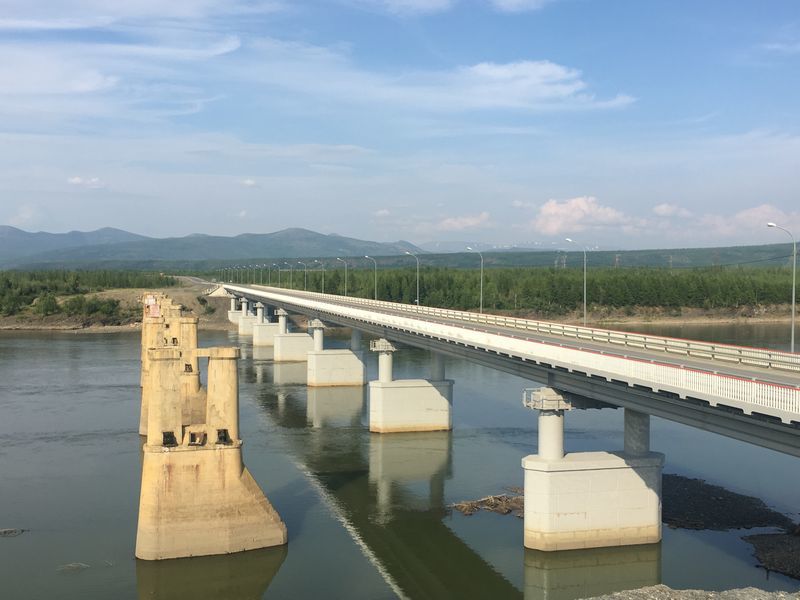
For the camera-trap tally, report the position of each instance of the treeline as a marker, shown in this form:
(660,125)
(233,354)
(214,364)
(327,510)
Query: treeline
(550,291)
(39,289)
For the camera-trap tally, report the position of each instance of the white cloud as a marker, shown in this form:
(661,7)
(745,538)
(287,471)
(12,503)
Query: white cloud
(319,72)
(577,214)
(241,214)
(382,213)
(249,182)
(752,221)
(671,210)
(90,183)
(464,222)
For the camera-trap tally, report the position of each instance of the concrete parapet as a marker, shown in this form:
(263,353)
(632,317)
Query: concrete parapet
(410,405)
(234,316)
(336,368)
(292,346)
(592,500)
(264,334)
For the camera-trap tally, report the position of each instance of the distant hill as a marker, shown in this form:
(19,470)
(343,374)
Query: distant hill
(142,252)
(16,243)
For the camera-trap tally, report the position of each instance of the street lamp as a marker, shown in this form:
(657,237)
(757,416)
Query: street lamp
(290,274)
(305,274)
(277,266)
(481,255)
(571,241)
(417,259)
(376,275)
(794,276)
(322,264)
(345,274)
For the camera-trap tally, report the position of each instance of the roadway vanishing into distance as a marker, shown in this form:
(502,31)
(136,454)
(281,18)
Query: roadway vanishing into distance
(748,394)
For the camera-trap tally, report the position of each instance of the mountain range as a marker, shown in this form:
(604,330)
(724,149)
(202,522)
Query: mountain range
(115,247)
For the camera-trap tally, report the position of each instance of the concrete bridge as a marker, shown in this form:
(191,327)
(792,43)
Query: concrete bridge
(575,500)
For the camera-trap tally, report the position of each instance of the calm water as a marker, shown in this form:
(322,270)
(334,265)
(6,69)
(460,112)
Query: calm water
(366,513)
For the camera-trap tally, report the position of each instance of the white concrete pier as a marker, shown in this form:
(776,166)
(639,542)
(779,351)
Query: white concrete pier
(409,404)
(590,499)
(335,367)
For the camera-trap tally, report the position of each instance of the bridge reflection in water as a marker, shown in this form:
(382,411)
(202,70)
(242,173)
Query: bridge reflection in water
(390,491)
(241,576)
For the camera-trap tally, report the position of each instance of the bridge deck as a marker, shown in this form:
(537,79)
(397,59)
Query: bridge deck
(721,388)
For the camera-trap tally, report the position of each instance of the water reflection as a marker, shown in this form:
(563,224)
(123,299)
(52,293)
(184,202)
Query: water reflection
(573,574)
(399,463)
(289,373)
(390,491)
(335,406)
(241,576)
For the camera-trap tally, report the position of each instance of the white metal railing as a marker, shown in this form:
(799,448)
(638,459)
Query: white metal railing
(782,401)
(758,357)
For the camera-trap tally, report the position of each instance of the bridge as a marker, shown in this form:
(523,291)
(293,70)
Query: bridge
(745,393)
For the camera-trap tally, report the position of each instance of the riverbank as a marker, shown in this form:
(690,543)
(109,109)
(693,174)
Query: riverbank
(211,312)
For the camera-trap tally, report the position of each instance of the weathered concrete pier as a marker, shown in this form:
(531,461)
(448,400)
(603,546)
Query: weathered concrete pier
(197,497)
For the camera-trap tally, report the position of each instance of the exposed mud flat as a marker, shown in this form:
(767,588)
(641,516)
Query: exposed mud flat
(694,504)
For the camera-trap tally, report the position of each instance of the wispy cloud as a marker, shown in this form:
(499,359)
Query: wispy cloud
(515,6)
(578,214)
(90,183)
(671,210)
(464,222)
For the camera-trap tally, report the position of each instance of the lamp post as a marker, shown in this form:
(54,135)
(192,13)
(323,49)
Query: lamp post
(260,274)
(417,259)
(277,266)
(322,264)
(481,255)
(291,286)
(571,241)
(305,274)
(794,277)
(375,262)
(345,274)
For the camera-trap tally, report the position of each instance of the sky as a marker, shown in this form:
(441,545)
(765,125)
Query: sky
(617,123)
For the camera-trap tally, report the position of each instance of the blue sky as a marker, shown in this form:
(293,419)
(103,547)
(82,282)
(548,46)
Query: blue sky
(624,124)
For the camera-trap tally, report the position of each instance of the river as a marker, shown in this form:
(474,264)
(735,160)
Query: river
(366,513)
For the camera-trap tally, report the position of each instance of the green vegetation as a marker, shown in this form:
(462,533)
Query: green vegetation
(550,291)
(39,290)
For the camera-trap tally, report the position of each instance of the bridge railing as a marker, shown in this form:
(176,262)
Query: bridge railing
(759,357)
(747,395)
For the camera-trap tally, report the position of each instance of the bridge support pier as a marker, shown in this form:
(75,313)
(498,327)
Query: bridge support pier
(408,404)
(327,368)
(290,347)
(264,330)
(235,312)
(197,498)
(590,499)
(247,318)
